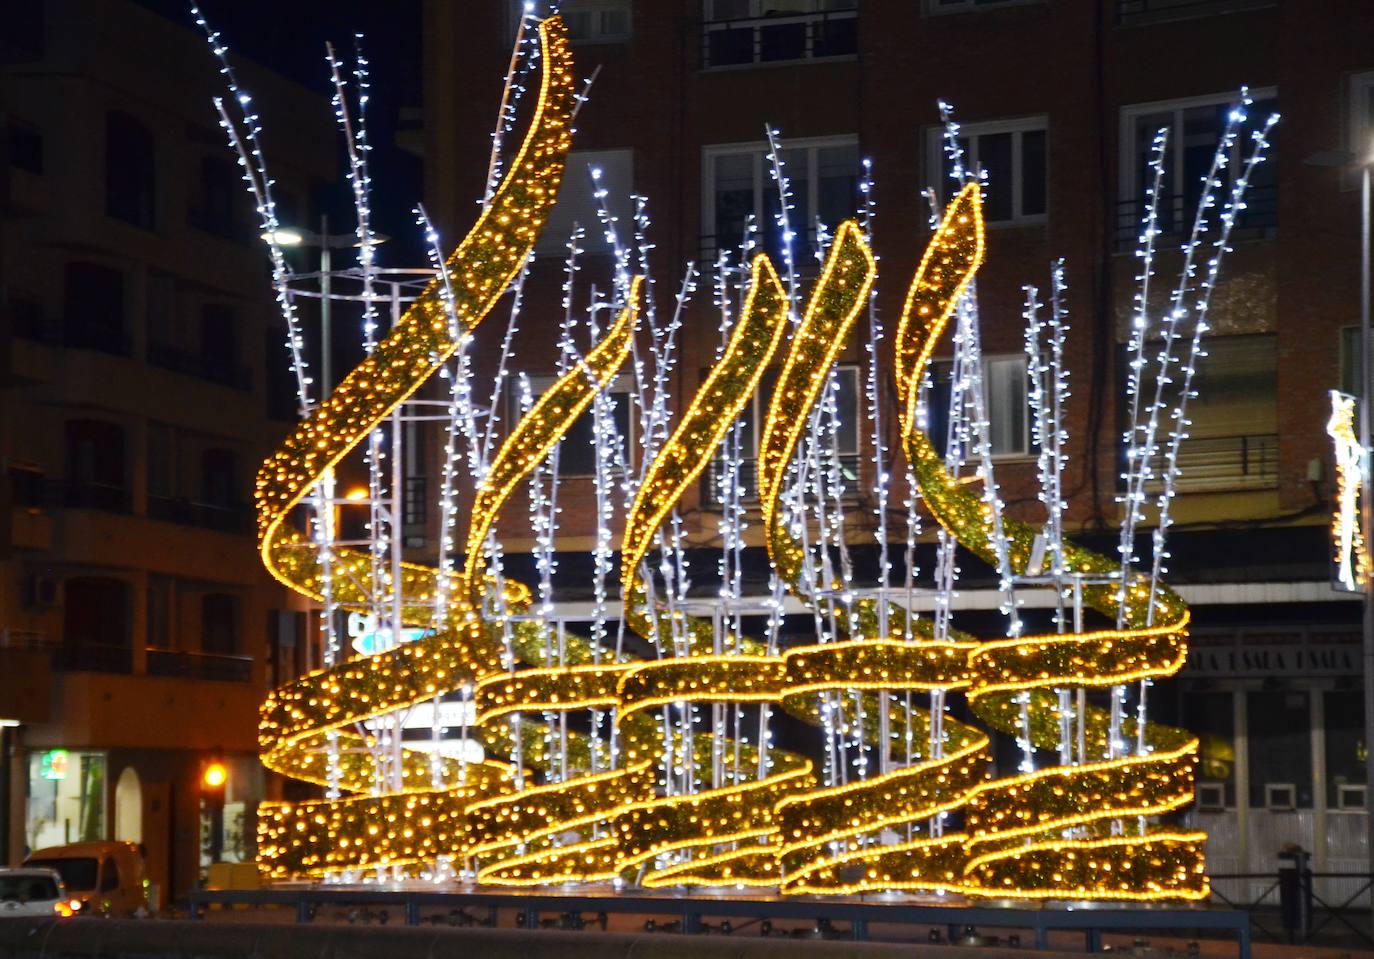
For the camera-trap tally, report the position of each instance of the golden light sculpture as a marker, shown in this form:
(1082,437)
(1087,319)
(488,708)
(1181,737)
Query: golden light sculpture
(1074,831)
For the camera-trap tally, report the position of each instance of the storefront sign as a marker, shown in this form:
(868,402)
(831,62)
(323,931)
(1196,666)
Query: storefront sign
(1270,660)
(53,764)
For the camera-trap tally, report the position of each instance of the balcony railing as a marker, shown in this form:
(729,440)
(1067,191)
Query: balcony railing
(1257,221)
(210,369)
(75,333)
(1223,463)
(1149,11)
(775,39)
(226,519)
(210,666)
(81,657)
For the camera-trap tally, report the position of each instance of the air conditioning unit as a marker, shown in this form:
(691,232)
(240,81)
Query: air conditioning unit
(1280,797)
(39,590)
(1211,797)
(1350,796)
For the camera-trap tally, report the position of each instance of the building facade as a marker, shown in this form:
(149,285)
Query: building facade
(1059,101)
(144,385)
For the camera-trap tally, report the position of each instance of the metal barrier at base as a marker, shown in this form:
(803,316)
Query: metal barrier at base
(690,911)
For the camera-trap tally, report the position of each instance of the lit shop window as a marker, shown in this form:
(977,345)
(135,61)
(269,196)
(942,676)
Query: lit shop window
(66,801)
(1195,125)
(738,32)
(824,180)
(1012,155)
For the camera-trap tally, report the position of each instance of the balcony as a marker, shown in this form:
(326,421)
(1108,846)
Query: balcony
(73,333)
(83,657)
(210,369)
(779,38)
(225,519)
(35,491)
(1131,12)
(207,666)
(1257,221)
(1214,464)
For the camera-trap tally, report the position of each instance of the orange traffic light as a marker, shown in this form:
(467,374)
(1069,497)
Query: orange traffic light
(214,776)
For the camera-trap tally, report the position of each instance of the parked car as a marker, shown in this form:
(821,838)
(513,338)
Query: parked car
(107,877)
(34,892)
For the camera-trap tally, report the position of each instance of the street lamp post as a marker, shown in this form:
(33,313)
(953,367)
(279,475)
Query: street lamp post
(1347,160)
(326,243)
(1366,515)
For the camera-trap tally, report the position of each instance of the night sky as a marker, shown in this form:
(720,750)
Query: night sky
(289,37)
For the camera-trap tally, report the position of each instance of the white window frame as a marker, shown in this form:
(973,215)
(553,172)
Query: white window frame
(575,174)
(934,8)
(516,8)
(1131,190)
(935,156)
(1027,452)
(623,384)
(763,178)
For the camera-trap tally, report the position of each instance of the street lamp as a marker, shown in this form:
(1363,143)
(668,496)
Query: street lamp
(1348,160)
(326,243)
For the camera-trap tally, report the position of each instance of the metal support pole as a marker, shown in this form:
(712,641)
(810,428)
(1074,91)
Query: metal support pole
(1366,514)
(326,340)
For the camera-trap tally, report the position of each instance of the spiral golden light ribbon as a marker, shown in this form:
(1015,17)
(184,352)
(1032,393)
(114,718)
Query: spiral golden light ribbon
(1063,832)
(1058,831)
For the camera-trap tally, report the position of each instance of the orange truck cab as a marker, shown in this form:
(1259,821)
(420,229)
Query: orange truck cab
(106,876)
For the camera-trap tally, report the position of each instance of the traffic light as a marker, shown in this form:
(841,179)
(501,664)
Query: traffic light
(214,778)
(214,775)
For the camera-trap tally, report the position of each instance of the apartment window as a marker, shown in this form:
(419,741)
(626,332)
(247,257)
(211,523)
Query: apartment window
(1350,372)
(93,316)
(1005,388)
(1232,438)
(736,32)
(597,21)
(219,478)
(25,30)
(162,463)
(130,171)
(29,318)
(219,346)
(824,178)
(96,466)
(283,403)
(219,624)
(577,204)
(1012,153)
(415,508)
(971,6)
(25,144)
(1195,127)
(577,454)
(95,624)
(161,612)
(849,414)
(213,205)
(588,21)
